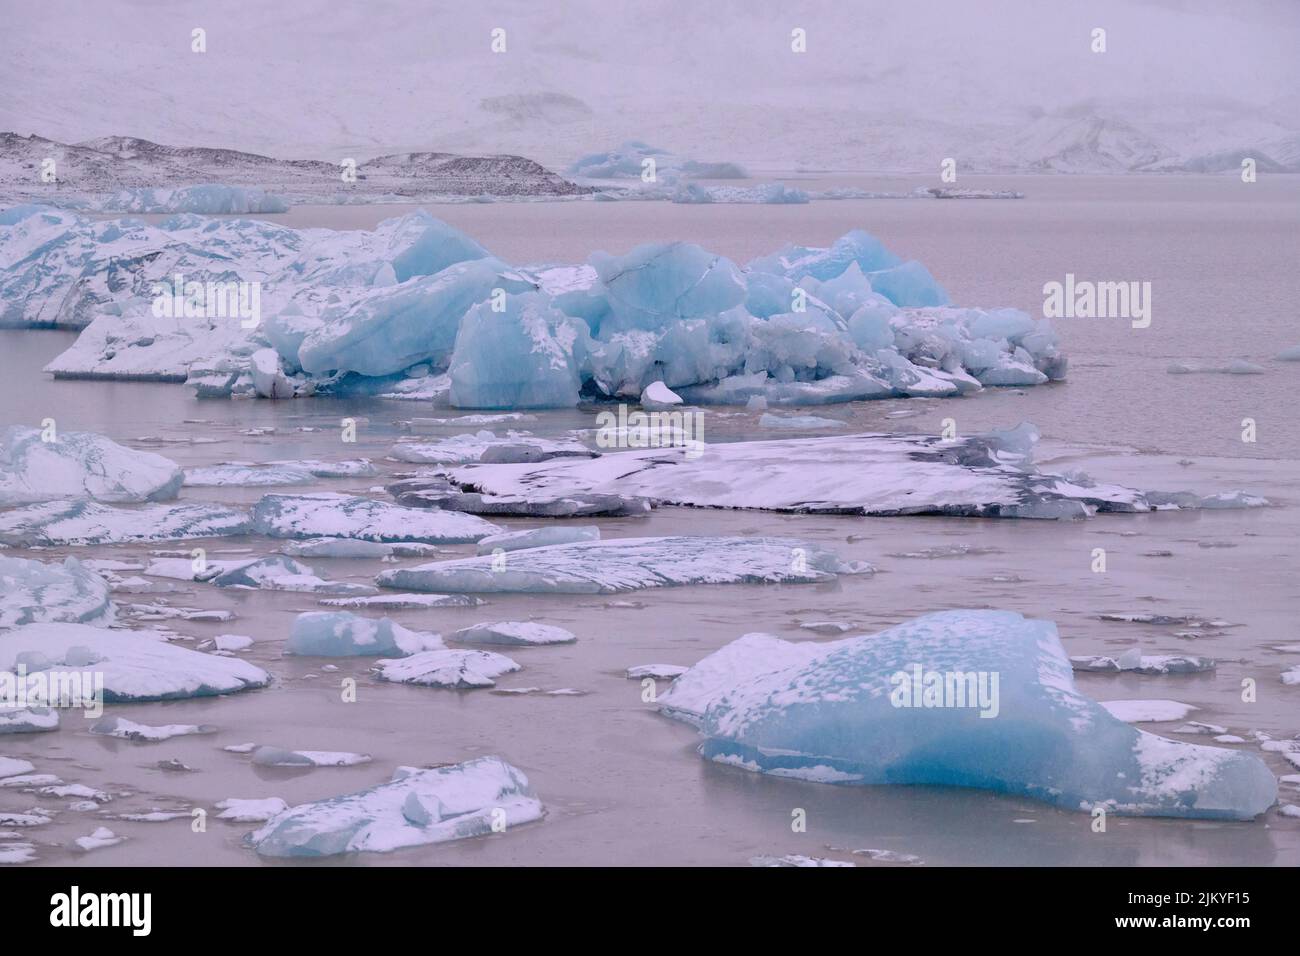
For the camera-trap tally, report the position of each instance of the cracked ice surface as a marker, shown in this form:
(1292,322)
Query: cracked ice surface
(395,310)
(133,667)
(839,713)
(33,592)
(871,474)
(417,807)
(80,465)
(627,564)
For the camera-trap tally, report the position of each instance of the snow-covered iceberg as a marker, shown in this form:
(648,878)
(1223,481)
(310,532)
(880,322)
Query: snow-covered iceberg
(538,538)
(962,698)
(416,305)
(446,667)
(33,592)
(262,474)
(345,516)
(415,808)
(518,633)
(873,474)
(488,447)
(36,465)
(90,522)
(132,667)
(626,564)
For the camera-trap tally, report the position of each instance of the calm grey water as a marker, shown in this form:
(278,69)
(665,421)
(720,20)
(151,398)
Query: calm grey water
(623,785)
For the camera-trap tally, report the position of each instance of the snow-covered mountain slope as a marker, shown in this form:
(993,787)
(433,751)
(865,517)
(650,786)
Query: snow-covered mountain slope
(112,163)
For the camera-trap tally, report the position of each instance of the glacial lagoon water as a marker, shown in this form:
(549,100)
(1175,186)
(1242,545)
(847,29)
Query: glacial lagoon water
(624,785)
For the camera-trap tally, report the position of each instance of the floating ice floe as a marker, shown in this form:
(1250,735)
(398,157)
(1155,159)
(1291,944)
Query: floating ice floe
(960,698)
(28,720)
(280,573)
(357,548)
(488,447)
(400,602)
(626,564)
(344,516)
(440,493)
(271,473)
(1147,711)
(132,667)
(417,807)
(656,671)
(250,811)
(796,859)
(90,522)
(629,161)
(658,395)
(32,592)
(873,474)
(13,767)
(39,466)
(519,633)
(538,538)
(102,837)
(1235,367)
(129,730)
(458,669)
(278,757)
(340,634)
(1135,662)
(417,308)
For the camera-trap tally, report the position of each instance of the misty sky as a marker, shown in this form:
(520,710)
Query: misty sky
(298,78)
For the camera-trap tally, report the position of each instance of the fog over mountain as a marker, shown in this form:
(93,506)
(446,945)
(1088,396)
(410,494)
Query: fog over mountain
(1006,84)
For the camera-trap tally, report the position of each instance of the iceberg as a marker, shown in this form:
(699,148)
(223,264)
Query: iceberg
(356,548)
(401,602)
(237,810)
(341,634)
(626,564)
(208,199)
(33,592)
(416,309)
(79,465)
(518,633)
(909,706)
(437,492)
(54,523)
(415,808)
(344,516)
(1134,661)
(133,667)
(458,669)
(280,573)
(865,474)
(628,161)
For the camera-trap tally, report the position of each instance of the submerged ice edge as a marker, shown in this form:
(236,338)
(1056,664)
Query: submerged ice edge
(243,307)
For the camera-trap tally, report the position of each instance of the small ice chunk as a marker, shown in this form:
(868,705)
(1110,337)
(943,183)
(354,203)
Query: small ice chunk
(342,634)
(659,395)
(417,807)
(1134,661)
(825,627)
(460,669)
(102,837)
(513,632)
